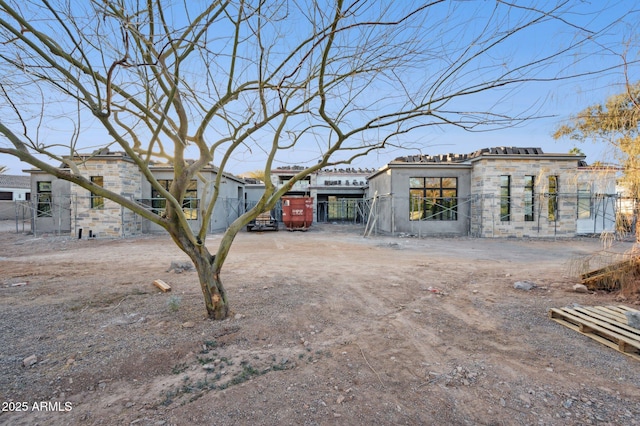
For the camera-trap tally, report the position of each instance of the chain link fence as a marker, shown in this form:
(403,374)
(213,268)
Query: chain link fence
(481,215)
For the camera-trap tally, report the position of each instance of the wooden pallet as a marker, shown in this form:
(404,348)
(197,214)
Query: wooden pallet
(605,324)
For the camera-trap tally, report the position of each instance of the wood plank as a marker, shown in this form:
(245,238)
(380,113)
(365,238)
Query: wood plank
(608,331)
(162,285)
(623,309)
(606,313)
(606,327)
(589,328)
(619,321)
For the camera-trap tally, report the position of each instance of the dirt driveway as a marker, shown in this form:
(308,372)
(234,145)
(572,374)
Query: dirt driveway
(328,328)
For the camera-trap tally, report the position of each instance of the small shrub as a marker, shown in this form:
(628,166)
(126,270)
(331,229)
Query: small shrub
(179,368)
(174,303)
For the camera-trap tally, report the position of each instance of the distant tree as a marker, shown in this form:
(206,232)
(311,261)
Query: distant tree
(617,123)
(218,80)
(256,174)
(576,151)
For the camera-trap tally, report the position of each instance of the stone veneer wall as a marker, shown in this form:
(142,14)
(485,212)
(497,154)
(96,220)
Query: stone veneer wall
(120,176)
(485,209)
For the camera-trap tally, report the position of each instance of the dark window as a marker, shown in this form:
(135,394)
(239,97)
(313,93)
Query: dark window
(584,200)
(189,203)
(505,198)
(529,194)
(553,198)
(433,198)
(45,200)
(97,201)
(6,196)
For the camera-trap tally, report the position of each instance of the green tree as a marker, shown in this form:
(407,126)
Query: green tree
(222,79)
(256,174)
(617,123)
(576,151)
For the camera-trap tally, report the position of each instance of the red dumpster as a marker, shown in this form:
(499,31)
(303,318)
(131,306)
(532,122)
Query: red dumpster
(297,213)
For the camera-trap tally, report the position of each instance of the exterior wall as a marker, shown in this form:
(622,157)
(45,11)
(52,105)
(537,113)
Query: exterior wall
(604,197)
(229,205)
(60,219)
(111,220)
(14,187)
(392,210)
(343,178)
(71,207)
(281,177)
(479,196)
(7,210)
(485,185)
(380,192)
(252,193)
(340,183)
(335,193)
(18,194)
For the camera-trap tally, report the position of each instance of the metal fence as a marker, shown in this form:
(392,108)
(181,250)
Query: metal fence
(482,214)
(346,210)
(479,213)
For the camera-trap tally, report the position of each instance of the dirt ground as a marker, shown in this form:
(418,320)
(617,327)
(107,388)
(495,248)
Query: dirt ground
(328,328)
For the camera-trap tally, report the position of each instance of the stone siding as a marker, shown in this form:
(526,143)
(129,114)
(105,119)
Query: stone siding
(111,220)
(485,185)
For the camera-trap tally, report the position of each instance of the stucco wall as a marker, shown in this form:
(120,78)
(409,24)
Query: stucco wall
(60,219)
(229,205)
(380,187)
(393,212)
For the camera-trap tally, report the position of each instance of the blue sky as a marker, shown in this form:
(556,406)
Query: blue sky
(556,100)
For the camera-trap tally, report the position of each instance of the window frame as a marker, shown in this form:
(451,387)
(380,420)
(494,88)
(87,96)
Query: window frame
(96,202)
(44,195)
(529,198)
(554,185)
(433,198)
(190,203)
(505,198)
(581,211)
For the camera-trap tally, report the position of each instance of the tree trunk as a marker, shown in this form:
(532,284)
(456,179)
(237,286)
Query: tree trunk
(636,218)
(215,296)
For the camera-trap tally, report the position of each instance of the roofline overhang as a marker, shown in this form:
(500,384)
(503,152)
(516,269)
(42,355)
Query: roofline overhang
(566,157)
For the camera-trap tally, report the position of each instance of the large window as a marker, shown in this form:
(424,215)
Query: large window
(189,204)
(341,208)
(529,200)
(97,202)
(505,198)
(433,198)
(553,198)
(45,199)
(584,200)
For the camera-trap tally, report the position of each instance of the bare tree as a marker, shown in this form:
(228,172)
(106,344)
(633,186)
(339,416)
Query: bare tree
(212,81)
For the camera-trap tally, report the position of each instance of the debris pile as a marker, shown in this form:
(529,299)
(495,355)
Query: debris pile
(612,277)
